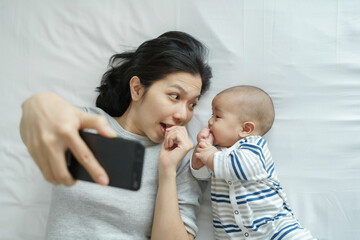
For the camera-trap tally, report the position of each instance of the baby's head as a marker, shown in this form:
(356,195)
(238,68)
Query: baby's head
(239,112)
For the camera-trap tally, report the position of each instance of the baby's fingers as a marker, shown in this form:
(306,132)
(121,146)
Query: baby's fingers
(198,156)
(203,134)
(203,144)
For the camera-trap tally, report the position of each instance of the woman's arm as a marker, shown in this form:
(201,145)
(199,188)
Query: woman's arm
(168,223)
(49,126)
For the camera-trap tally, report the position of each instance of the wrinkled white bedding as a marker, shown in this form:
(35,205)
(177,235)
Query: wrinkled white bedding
(306,54)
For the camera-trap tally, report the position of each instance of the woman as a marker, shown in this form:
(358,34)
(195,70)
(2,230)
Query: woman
(147,95)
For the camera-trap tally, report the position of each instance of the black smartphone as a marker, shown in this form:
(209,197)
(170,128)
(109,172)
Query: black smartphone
(121,158)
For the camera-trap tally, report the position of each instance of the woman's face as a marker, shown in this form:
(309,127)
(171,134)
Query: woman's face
(167,102)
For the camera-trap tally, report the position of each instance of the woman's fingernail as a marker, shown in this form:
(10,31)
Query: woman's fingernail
(110,131)
(103,180)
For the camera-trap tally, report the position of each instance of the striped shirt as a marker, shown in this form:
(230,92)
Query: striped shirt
(248,201)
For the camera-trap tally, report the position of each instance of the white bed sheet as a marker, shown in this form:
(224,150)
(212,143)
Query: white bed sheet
(306,54)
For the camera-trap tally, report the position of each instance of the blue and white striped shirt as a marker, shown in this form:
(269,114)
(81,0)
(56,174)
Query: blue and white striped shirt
(247,199)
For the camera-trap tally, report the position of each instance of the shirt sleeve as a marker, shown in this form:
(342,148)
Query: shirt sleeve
(189,195)
(246,162)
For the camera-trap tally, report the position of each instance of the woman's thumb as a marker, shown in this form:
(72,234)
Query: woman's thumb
(98,123)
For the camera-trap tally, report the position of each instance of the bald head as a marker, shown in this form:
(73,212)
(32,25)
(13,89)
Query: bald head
(252,104)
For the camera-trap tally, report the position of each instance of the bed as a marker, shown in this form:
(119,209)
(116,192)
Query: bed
(305,54)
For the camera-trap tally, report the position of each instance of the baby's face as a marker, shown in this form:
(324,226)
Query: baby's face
(224,123)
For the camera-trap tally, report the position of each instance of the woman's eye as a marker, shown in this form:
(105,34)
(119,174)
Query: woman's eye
(193,105)
(174,96)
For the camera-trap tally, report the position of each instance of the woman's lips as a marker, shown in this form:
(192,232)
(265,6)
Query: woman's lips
(163,128)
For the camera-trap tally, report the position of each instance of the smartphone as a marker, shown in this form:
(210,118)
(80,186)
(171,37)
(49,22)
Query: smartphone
(121,158)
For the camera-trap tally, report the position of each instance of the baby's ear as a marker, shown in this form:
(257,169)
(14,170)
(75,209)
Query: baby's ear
(247,129)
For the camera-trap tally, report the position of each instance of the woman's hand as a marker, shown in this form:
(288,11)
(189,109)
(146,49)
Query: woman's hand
(49,126)
(175,146)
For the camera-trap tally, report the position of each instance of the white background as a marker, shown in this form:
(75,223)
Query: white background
(305,54)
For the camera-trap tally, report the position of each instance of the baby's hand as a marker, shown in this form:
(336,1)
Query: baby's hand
(206,135)
(205,152)
(196,163)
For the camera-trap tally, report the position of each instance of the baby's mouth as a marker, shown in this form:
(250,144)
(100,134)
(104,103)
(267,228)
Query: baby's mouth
(211,137)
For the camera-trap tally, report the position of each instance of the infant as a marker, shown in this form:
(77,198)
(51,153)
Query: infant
(248,201)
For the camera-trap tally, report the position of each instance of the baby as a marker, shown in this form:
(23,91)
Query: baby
(247,199)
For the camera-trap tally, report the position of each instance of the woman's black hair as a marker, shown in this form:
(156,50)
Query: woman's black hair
(171,52)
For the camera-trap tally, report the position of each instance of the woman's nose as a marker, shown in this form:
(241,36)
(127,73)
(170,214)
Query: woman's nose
(181,115)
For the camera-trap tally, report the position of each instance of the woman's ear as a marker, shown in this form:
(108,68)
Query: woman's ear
(247,129)
(136,88)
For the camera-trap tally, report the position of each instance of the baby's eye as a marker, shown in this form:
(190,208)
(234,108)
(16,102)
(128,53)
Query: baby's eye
(215,116)
(174,96)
